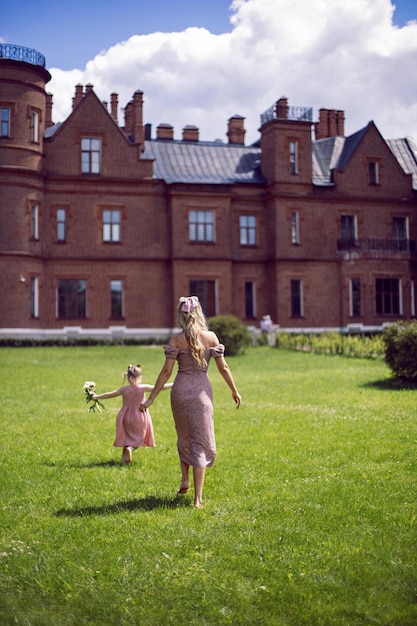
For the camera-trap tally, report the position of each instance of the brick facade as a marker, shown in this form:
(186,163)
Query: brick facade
(301,267)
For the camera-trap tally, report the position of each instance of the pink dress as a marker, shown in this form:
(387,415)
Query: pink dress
(133,427)
(192,407)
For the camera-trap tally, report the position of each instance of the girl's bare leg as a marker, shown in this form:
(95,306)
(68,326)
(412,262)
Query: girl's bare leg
(184,477)
(199,476)
(127,455)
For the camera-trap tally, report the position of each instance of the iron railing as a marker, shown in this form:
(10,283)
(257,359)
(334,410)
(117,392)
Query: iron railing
(385,245)
(295,113)
(20,53)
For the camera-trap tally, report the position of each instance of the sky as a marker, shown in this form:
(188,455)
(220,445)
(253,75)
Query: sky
(202,61)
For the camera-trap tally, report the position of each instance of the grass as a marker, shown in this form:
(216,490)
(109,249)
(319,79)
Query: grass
(310,515)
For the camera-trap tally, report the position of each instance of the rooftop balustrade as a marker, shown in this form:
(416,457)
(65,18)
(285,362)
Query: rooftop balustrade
(282,111)
(20,53)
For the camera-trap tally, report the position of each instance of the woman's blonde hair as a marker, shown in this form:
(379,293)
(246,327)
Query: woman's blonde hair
(192,321)
(133,372)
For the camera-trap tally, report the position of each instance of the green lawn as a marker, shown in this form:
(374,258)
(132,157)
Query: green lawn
(310,509)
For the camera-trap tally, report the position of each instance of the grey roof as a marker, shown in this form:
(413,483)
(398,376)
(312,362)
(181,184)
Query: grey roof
(335,153)
(50,132)
(326,154)
(405,151)
(204,162)
(220,163)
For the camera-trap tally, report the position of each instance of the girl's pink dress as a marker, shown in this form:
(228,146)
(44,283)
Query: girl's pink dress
(133,427)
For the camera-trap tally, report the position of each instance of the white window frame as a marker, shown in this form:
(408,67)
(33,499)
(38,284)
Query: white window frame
(295,227)
(293,154)
(34,297)
(351,314)
(61,224)
(5,121)
(90,155)
(34,123)
(112,290)
(111,225)
(201,226)
(247,230)
(373,171)
(34,221)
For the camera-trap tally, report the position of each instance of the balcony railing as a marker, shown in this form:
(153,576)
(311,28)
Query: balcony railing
(20,53)
(384,245)
(295,113)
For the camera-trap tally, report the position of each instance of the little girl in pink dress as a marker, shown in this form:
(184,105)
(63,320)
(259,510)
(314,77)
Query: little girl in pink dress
(134,428)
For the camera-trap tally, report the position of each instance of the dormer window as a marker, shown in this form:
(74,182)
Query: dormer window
(373,168)
(90,155)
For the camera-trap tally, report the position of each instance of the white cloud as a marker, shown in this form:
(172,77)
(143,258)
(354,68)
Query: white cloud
(345,54)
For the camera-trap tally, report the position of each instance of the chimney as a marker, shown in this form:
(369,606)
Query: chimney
(340,123)
(48,111)
(148,132)
(331,124)
(236,130)
(190,133)
(137,122)
(165,131)
(78,96)
(114,105)
(89,87)
(129,118)
(281,108)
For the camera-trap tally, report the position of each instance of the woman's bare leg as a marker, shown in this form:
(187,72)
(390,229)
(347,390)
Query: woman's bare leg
(199,475)
(184,477)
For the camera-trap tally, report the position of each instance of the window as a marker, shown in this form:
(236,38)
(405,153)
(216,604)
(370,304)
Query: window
(249,300)
(61,218)
(34,126)
(348,228)
(294,157)
(373,167)
(201,226)
(295,236)
(5,122)
(116,296)
(297,307)
(34,296)
(111,225)
(206,292)
(400,231)
(90,155)
(247,230)
(34,222)
(354,297)
(71,297)
(388,296)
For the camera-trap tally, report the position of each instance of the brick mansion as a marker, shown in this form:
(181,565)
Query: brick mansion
(105,223)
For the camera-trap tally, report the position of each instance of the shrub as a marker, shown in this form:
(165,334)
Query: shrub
(358,346)
(400,342)
(231,332)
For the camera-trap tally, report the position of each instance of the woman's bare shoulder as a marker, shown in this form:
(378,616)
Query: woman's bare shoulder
(209,338)
(178,341)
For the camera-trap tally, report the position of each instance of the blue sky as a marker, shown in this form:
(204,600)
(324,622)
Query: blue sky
(69,34)
(201,61)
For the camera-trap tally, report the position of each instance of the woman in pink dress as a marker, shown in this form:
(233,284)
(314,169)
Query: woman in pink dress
(134,428)
(191,395)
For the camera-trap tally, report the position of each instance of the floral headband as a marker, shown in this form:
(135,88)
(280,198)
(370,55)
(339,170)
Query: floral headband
(189,304)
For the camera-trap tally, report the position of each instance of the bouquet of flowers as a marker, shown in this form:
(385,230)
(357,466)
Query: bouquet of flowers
(89,389)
